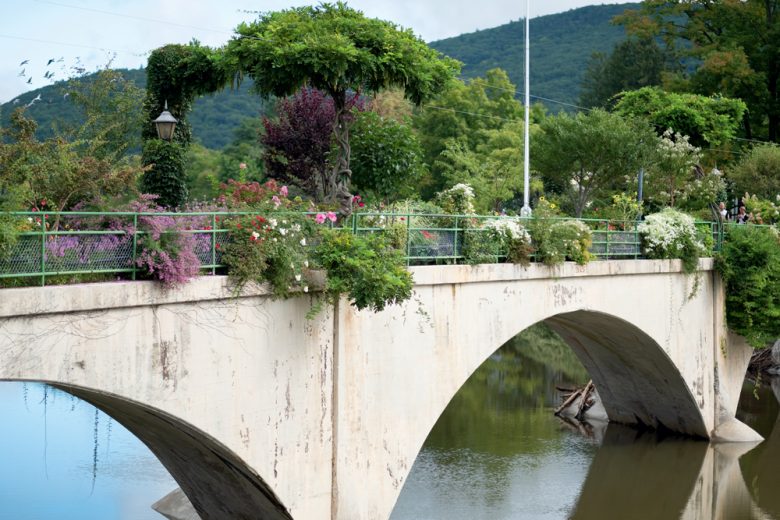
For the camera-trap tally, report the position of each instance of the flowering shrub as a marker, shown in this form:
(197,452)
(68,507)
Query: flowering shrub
(765,211)
(271,248)
(672,234)
(458,200)
(558,240)
(167,250)
(624,210)
(496,239)
(365,268)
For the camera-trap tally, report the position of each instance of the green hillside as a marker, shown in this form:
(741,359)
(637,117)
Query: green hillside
(214,118)
(561,45)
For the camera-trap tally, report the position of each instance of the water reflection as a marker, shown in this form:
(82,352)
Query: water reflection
(498,452)
(51,448)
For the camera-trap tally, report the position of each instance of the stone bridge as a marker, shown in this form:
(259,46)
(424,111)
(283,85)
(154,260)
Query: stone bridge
(259,412)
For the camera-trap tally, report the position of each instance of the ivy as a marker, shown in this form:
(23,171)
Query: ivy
(750,266)
(165,174)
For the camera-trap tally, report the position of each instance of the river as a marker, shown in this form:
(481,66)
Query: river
(497,452)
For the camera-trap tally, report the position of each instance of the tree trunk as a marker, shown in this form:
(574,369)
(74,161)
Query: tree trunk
(337,190)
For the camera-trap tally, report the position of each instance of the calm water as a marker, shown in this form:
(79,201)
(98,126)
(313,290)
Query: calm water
(496,453)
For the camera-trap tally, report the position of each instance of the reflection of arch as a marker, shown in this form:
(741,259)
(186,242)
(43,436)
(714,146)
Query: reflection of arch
(637,381)
(216,481)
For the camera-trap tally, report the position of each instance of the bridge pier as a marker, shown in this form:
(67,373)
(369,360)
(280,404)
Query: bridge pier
(253,408)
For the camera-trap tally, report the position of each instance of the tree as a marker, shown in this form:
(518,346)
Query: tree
(298,142)
(338,50)
(707,121)
(737,44)
(632,64)
(494,168)
(459,115)
(55,174)
(583,156)
(386,158)
(176,74)
(758,172)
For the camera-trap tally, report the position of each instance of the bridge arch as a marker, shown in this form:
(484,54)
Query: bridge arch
(218,483)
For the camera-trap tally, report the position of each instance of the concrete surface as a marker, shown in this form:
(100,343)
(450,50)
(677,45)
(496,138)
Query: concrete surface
(253,408)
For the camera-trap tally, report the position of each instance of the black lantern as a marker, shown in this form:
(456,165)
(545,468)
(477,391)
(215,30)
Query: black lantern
(165,124)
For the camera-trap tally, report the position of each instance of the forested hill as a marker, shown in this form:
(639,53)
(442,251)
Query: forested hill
(214,118)
(561,45)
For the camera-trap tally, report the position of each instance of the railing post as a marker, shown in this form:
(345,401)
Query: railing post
(455,242)
(135,244)
(213,244)
(43,249)
(608,233)
(408,238)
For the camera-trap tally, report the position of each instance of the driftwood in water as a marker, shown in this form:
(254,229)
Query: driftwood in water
(586,400)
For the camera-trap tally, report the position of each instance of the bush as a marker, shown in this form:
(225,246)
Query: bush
(750,266)
(555,240)
(672,234)
(166,177)
(365,268)
(497,239)
(268,248)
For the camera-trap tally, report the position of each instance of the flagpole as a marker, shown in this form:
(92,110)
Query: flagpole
(526,210)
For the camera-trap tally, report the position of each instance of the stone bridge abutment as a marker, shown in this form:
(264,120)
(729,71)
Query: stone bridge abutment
(260,412)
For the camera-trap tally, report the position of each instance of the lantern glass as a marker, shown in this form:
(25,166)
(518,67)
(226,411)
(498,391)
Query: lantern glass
(165,124)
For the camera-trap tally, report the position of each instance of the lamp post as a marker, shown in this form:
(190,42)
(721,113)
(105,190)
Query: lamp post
(165,124)
(525,211)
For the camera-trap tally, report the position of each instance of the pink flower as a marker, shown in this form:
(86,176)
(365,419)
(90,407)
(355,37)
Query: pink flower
(277,202)
(331,216)
(283,191)
(242,166)
(320,218)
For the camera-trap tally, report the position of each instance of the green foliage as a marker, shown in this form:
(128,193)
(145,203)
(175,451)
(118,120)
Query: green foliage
(555,241)
(11,199)
(623,210)
(672,234)
(735,44)
(111,105)
(269,247)
(495,240)
(758,172)
(763,211)
(585,156)
(176,74)
(458,200)
(750,265)
(364,268)
(633,63)
(57,174)
(203,168)
(459,119)
(165,177)
(711,121)
(334,48)
(561,46)
(386,158)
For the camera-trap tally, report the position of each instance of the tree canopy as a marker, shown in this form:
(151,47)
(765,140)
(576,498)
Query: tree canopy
(582,156)
(707,121)
(737,44)
(336,49)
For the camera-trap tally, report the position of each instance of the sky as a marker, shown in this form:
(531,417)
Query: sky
(86,35)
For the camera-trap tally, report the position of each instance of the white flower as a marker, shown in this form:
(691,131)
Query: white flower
(297,278)
(303,241)
(29,219)
(282,231)
(296,228)
(305,263)
(255,235)
(273,223)
(305,288)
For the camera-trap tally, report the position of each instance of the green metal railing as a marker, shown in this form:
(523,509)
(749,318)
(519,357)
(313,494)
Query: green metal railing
(83,243)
